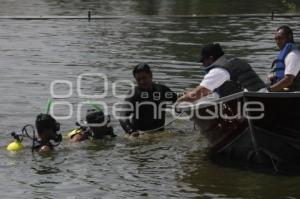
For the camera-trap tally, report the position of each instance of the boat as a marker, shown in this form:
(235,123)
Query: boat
(260,130)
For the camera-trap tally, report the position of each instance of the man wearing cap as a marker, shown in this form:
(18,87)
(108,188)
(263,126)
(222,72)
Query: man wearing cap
(144,109)
(223,75)
(285,76)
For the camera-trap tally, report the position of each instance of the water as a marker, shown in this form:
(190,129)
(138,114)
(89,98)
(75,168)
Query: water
(172,165)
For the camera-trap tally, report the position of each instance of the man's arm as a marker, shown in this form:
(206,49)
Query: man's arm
(125,113)
(169,95)
(283,83)
(195,94)
(214,79)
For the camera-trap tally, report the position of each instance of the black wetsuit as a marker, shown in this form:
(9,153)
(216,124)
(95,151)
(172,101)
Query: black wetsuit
(104,133)
(148,108)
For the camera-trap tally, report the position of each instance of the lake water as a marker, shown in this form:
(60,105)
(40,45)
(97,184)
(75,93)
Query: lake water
(34,53)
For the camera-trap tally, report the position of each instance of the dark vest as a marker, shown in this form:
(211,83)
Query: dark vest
(242,76)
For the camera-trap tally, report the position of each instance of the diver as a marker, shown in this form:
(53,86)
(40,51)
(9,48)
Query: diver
(97,127)
(47,130)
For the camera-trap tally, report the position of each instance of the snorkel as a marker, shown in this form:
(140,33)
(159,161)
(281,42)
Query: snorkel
(48,106)
(95,105)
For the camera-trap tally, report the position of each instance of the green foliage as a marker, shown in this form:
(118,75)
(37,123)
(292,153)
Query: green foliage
(289,5)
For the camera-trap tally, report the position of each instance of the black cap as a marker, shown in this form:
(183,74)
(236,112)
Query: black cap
(213,50)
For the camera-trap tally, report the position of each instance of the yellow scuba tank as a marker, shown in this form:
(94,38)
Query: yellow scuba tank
(15,146)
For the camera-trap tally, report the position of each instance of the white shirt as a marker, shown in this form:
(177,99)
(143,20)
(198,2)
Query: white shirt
(292,63)
(216,76)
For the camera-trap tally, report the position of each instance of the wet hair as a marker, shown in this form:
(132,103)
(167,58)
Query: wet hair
(95,117)
(98,117)
(287,32)
(213,50)
(44,122)
(142,67)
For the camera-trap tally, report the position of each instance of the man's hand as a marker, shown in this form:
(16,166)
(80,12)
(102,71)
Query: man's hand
(286,82)
(135,134)
(45,149)
(271,77)
(187,97)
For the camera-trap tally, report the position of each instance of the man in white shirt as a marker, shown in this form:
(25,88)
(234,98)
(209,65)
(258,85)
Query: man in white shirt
(216,76)
(224,76)
(285,76)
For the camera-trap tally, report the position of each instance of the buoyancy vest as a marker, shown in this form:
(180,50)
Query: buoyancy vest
(242,76)
(280,67)
(87,133)
(279,61)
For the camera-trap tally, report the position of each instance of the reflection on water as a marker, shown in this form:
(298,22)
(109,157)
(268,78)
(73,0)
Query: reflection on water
(213,181)
(34,53)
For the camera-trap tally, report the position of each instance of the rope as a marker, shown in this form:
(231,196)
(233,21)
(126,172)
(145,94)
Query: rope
(156,129)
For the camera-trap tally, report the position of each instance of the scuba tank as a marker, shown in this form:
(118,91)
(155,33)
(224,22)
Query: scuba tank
(17,145)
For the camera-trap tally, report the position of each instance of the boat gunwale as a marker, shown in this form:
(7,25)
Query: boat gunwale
(204,104)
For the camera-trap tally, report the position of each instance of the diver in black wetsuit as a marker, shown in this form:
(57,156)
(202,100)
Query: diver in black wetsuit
(47,129)
(97,127)
(144,109)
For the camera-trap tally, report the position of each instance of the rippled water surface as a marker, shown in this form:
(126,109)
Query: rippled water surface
(34,53)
